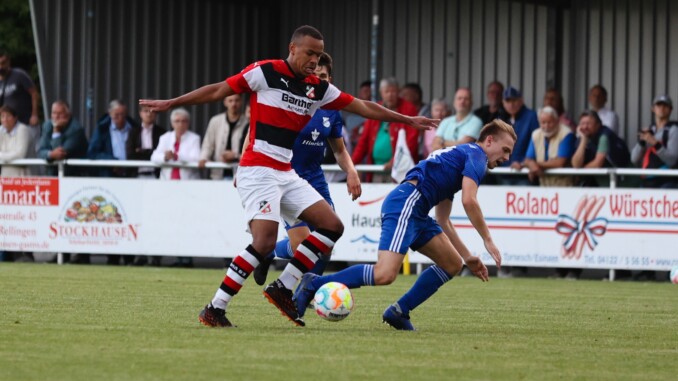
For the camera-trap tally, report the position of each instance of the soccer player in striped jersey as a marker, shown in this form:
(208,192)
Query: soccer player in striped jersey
(405,223)
(285,94)
(309,151)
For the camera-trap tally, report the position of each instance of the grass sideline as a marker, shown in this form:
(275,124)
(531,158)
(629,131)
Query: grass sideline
(120,323)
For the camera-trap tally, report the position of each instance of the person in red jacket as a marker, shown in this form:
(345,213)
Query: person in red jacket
(378,139)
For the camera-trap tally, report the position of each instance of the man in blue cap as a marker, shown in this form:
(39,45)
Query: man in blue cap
(524,121)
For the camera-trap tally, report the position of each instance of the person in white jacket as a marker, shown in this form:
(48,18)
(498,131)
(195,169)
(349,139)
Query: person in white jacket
(15,143)
(179,145)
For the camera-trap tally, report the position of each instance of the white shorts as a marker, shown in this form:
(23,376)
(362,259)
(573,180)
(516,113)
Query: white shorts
(269,194)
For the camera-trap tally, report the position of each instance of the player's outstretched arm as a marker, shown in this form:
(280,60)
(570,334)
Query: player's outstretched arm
(346,165)
(469,192)
(206,94)
(372,110)
(443,210)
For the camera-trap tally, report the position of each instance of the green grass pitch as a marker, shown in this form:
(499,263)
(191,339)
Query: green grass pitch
(120,323)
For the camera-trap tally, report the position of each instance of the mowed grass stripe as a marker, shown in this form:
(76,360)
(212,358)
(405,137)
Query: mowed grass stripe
(122,323)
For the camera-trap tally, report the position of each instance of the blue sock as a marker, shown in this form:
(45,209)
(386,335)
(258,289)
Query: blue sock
(283,250)
(426,285)
(353,277)
(321,265)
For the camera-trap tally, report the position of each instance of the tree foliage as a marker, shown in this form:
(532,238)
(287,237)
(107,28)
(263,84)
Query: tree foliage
(17,35)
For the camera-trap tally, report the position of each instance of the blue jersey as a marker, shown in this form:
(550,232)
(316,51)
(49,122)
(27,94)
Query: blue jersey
(309,148)
(440,176)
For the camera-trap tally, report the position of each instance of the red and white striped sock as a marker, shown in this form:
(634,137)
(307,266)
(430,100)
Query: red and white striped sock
(318,243)
(237,272)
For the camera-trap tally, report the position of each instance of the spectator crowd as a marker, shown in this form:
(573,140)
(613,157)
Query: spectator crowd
(548,137)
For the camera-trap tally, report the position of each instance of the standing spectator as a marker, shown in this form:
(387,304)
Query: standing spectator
(178,145)
(15,143)
(18,91)
(413,93)
(141,142)
(225,137)
(657,146)
(109,142)
(378,139)
(553,98)
(524,122)
(597,101)
(440,111)
(62,138)
(462,127)
(354,122)
(109,139)
(551,146)
(494,107)
(598,146)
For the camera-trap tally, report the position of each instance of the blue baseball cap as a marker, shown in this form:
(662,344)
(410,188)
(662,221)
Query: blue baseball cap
(511,93)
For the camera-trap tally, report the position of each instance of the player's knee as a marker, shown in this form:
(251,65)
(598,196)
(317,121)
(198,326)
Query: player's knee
(454,268)
(339,229)
(335,226)
(382,278)
(264,246)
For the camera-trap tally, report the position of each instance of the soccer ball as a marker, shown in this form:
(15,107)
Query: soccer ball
(333,301)
(674,275)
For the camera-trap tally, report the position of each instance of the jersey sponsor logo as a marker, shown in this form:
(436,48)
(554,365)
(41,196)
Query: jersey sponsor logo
(310,92)
(287,83)
(315,134)
(299,104)
(264,207)
(326,122)
(314,144)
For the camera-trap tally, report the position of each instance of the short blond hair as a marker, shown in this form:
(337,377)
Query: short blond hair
(496,127)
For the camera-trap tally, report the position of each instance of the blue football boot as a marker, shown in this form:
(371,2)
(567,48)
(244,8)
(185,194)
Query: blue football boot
(304,293)
(394,317)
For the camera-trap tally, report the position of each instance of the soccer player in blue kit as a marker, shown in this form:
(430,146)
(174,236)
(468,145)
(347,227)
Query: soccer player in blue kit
(309,151)
(406,224)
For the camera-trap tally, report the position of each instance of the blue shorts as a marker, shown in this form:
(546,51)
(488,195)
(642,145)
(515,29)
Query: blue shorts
(324,191)
(404,221)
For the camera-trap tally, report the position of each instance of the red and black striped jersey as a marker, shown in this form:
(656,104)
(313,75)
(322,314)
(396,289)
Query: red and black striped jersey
(281,104)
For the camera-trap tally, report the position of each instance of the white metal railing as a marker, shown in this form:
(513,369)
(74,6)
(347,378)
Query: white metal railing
(611,172)
(332,167)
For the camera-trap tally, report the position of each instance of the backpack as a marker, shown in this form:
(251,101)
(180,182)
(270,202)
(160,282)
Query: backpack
(619,155)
